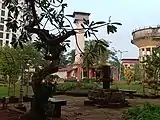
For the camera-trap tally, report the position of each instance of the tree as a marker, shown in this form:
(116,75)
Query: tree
(71,57)
(63,59)
(137,72)
(95,53)
(128,73)
(24,18)
(12,62)
(152,69)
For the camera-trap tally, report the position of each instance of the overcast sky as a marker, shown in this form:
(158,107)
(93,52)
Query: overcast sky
(132,14)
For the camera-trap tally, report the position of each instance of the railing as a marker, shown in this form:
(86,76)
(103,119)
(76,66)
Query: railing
(146,27)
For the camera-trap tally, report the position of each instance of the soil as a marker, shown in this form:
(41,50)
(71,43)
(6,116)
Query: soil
(75,110)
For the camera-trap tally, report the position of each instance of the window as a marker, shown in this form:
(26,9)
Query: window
(2,13)
(148,51)
(3,6)
(1,27)
(1,35)
(1,42)
(7,35)
(7,43)
(2,20)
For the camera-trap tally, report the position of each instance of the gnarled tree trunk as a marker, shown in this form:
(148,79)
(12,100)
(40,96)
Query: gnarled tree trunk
(41,94)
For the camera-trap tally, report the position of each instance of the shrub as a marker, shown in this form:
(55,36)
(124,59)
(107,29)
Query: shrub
(66,86)
(71,80)
(148,112)
(88,80)
(90,86)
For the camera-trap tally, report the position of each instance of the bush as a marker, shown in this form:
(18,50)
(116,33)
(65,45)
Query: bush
(66,86)
(88,80)
(148,112)
(71,80)
(90,86)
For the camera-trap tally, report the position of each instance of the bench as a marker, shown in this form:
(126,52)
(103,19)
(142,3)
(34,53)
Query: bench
(56,108)
(129,92)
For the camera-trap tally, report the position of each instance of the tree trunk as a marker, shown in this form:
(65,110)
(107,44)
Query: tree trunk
(41,94)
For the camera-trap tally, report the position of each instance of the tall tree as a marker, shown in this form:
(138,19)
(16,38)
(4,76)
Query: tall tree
(12,61)
(24,18)
(71,57)
(96,53)
(63,59)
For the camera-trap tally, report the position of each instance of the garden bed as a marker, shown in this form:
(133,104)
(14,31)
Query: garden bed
(146,96)
(77,93)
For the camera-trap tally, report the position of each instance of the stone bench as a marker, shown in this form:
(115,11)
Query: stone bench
(56,108)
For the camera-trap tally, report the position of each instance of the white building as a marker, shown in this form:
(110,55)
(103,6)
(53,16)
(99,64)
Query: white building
(5,34)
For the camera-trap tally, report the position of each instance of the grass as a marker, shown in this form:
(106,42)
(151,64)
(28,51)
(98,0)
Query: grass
(116,84)
(132,86)
(4,91)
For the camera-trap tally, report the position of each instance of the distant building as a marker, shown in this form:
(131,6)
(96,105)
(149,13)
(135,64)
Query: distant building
(5,34)
(144,40)
(71,72)
(129,63)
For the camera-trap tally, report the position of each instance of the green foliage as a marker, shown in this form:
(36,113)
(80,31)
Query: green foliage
(71,56)
(66,86)
(12,60)
(24,18)
(73,86)
(89,80)
(152,69)
(88,86)
(136,72)
(71,80)
(96,52)
(148,112)
(152,64)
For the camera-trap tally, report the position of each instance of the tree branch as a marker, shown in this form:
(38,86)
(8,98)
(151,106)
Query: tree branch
(48,38)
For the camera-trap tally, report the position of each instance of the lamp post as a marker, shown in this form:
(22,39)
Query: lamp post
(120,67)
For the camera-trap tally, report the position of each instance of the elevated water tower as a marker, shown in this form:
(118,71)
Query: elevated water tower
(144,39)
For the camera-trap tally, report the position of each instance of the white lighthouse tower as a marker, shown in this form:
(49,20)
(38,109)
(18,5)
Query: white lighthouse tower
(79,48)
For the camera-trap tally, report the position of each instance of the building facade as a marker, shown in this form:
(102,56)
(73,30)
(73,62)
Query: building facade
(129,63)
(144,39)
(5,34)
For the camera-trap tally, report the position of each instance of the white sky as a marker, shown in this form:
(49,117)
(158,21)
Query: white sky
(131,13)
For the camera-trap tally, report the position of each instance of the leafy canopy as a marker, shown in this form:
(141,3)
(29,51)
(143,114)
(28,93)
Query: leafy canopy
(30,17)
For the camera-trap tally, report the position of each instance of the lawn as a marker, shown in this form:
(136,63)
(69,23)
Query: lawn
(132,86)
(116,84)
(4,90)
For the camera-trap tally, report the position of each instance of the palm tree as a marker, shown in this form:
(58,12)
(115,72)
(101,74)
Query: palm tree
(95,53)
